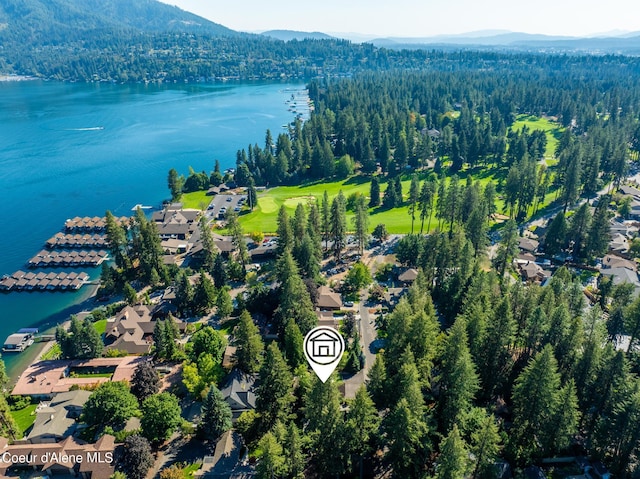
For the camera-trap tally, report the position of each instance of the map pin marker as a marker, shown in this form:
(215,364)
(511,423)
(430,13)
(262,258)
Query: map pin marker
(323,347)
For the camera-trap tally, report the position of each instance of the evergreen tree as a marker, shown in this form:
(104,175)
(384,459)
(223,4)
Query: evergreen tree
(485,446)
(376,383)
(338,227)
(117,240)
(219,273)
(249,345)
(274,395)
(285,235)
(458,379)
(224,303)
(425,203)
(496,350)
(295,301)
(209,250)
(361,427)
(599,233)
(325,218)
(453,462)
(216,415)
(361,224)
(507,249)
(295,463)
(374,193)
(293,345)
(406,435)
(272,461)
(536,408)
(325,424)
(204,295)
(175,183)
(556,238)
(414,194)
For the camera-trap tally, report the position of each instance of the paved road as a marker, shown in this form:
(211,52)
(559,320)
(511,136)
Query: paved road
(368,335)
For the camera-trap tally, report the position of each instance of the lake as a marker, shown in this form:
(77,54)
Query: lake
(71,150)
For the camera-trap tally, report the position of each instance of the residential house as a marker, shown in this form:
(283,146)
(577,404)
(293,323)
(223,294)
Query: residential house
(239,392)
(131,330)
(621,275)
(619,244)
(45,379)
(58,418)
(630,191)
(528,245)
(327,319)
(532,272)
(409,276)
(328,299)
(226,462)
(611,261)
(70,457)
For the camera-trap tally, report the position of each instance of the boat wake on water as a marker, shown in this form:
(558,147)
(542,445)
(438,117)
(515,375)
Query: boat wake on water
(90,128)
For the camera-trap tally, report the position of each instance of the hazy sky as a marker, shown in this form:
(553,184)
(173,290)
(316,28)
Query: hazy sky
(421,17)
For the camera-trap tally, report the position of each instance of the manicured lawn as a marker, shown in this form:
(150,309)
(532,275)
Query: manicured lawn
(190,469)
(53,353)
(91,375)
(553,131)
(100,326)
(197,200)
(24,418)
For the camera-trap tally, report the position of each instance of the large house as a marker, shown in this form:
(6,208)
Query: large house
(58,418)
(328,299)
(70,457)
(131,330)
(175,223)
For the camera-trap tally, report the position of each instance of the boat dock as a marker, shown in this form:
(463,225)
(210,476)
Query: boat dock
(21,281)
(46,258)
(61,240)
(90,224)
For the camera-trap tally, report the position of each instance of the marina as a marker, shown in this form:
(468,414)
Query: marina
(90,223)
(61,240)
(21,281)
(46,258)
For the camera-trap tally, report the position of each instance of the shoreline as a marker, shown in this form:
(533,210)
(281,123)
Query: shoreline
(32,355)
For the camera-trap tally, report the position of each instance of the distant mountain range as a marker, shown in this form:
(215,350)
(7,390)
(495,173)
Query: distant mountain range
(287,35)
(614,42)
(52,20)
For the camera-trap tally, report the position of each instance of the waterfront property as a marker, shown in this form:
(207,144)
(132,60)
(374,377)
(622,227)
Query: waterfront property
(21,281)
(17,342)
(61,240)
(90,224)
(131,330)
(46,258)
(44,379)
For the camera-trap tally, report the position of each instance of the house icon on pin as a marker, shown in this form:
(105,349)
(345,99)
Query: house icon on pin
(324,345)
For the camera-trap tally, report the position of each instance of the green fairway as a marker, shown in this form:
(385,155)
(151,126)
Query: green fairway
(197,200)
(552,129)
(265,216)
(24,418)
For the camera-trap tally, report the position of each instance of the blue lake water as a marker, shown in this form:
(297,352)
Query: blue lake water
(71,150)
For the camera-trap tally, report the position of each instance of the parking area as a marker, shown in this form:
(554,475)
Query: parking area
(222,203)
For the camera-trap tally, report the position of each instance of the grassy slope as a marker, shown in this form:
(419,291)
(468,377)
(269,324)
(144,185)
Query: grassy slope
(100,326)
(197,200)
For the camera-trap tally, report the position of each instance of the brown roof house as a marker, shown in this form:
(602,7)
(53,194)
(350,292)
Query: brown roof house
(70,457)
(58,418)
(131,330)
(408,276)
(328,299)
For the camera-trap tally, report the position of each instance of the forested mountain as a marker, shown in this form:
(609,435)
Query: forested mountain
(53,21)
(286,35)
